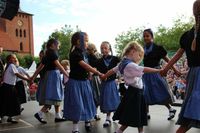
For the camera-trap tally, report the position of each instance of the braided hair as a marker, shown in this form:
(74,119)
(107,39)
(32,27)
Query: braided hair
(109,45)
(74,40)
(196,12)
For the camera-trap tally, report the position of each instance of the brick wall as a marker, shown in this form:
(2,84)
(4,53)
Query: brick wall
(18,34)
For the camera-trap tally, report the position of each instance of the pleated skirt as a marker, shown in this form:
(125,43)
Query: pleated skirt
(190,110)
(9,101)
(78,101)
(109,96)
(95,83)
(132,109)
(21,93)
(156,89)
(50,91)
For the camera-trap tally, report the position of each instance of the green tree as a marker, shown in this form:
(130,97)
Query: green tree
(169,37)
(64,37)
(125,37)
(24,60)
(165,36)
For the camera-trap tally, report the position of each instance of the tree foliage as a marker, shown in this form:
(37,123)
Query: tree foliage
(24,60)
(165,36)
(63,36)
(125,37)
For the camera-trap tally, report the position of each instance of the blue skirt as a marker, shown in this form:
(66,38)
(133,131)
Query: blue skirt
(190,111)
(50,89)
(78,101)
(109,96)
(156,89)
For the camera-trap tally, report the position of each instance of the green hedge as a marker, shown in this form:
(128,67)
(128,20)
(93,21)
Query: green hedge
(24,60)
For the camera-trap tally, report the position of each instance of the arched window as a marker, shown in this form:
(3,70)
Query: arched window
(20,33)
(21,46)
(24,33)
(16,32)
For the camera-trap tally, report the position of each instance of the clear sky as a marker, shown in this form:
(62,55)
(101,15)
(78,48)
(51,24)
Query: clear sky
(101,19)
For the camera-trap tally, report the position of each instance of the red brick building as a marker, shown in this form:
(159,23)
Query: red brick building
(17,35)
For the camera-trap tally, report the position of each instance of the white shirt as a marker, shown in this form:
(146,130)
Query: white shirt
(22,71)
(132,74)
(9,75)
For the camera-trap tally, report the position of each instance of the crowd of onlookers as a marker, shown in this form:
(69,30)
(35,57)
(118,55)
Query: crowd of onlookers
(178,83)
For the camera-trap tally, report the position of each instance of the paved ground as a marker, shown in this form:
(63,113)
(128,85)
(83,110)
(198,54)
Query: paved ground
(28,124)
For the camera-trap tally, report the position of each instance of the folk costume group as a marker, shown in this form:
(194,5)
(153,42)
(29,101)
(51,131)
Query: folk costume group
(91,82)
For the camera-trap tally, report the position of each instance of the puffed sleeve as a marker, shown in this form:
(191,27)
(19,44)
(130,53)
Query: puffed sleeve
(183,40)
(53,56)
(162,52)
(13,68)
(77,56)
(133,70)
(44,60)
(115,69)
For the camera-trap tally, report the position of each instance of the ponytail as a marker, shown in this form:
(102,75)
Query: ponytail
(194,42)
(196,12)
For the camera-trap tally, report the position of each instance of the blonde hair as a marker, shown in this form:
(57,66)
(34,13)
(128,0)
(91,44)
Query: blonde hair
(133,45)
(196,12)
(64,63)
(91,48)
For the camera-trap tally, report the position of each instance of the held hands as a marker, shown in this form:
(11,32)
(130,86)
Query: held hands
(103,77)
(163,73)
(32,80)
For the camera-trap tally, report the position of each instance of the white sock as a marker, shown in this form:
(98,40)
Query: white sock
(75,127)
(87,123)
(171,109)
(58,115)
(108,117)
(119,131)
(40,114)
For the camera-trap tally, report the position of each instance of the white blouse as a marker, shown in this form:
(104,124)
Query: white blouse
(9,75)
(132,74)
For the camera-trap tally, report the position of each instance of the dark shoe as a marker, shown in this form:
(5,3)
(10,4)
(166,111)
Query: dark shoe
(171,114)
(22,109)
(40,119)
(107,123)
(88,126)
(97,118)
(0,120)
(60,119)
(75,132)
(12,120)
(148,117)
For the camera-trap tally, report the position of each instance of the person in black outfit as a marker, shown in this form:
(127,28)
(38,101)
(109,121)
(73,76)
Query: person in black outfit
(189,43)
(156,89)
(109,96)
(95,81)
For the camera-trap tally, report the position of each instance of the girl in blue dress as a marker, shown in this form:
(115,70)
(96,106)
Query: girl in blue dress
(190,111)
(109,95)
(78,100)
(156,89)
(50,91)
(132,109)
